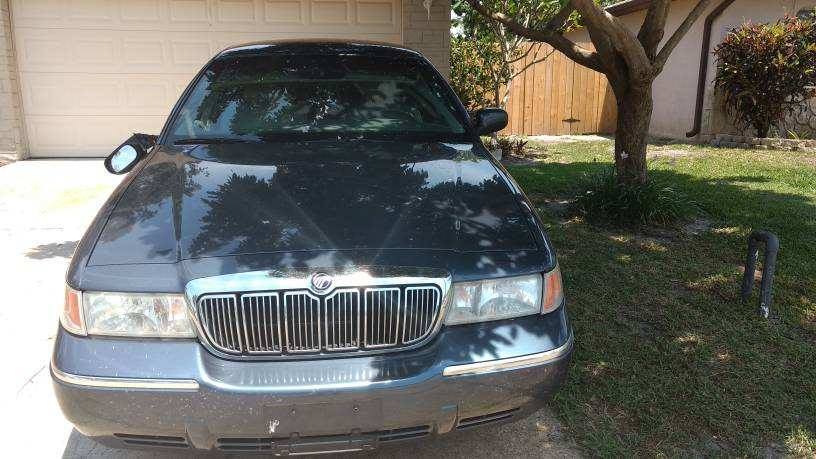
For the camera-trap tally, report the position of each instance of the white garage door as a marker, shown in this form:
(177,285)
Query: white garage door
(94,71)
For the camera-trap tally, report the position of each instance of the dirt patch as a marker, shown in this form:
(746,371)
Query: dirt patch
(537,149)
(551,139)
(557,207)
(533,154)
(699,226)
(515,161)
(668,153)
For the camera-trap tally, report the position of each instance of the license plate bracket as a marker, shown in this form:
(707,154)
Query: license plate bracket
(324,418)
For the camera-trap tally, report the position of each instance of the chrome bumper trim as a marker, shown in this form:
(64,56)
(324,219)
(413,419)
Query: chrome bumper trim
(124,383)
(513,363)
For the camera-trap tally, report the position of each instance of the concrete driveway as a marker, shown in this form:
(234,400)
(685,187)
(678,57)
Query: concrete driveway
(45,207)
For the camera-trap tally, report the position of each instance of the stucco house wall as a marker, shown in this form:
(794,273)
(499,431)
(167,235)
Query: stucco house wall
(675,90)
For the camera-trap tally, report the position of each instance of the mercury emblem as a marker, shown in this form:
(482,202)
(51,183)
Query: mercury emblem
(321,282)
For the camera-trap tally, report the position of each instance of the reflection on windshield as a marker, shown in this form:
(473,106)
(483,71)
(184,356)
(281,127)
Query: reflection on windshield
(284,97)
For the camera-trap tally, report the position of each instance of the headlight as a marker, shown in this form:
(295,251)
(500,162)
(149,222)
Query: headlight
(130,314)
(495,299)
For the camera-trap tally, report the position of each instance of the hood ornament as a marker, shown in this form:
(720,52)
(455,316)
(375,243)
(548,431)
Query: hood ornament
(321,282)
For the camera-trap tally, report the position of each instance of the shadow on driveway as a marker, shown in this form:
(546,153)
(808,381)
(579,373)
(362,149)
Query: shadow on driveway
(52,250)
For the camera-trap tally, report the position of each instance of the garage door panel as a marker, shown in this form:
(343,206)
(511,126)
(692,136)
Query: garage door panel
(244,12)
(377,13)
(335,12)
(41,13)
(112,14)
(94,71)
(116,52)
(95,51)
(191,12)
(87,135)
(142,53)
(81,94)
(128,52)
(285,12)
(306,16)
(227,40)
(140,13)
(89,11)
(36,49)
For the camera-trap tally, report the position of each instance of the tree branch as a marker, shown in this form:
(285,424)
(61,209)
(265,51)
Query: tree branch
(621,38)
(580,55)
(678,35)
(557,22)
(534,62)
(652,29)
(526,52)
(614,66)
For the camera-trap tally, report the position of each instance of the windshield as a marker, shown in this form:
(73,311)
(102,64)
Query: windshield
(285,97)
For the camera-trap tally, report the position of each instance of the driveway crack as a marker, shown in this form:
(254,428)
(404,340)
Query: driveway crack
(30,379)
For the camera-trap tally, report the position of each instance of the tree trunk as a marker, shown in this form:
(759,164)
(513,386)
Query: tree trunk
(762,129)
(496,93)
(634,117)
(506,96)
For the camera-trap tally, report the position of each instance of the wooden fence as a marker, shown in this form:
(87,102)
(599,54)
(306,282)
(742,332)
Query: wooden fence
(557,97)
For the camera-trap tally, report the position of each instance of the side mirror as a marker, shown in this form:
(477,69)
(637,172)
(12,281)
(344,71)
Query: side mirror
(489,120)
(129,153)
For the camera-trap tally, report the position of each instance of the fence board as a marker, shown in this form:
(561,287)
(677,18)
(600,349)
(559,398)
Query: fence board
(558,97)
(529,94)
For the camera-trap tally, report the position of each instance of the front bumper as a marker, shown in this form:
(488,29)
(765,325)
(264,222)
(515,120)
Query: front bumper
(175,394)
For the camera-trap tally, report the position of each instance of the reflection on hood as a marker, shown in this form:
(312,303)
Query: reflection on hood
(219,200)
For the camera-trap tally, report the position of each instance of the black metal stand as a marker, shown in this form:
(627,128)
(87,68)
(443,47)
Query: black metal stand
(771,250)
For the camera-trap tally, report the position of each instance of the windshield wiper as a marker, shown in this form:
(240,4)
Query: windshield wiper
(283,136)
(208,141)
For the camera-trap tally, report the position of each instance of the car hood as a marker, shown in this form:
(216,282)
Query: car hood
(221,200)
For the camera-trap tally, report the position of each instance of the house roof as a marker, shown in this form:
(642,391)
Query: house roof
(627,7)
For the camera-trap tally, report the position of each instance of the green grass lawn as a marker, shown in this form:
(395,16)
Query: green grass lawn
(668,359)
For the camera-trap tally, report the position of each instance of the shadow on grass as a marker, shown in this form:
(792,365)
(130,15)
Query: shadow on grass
(744,179)
(734,208)
(668,359)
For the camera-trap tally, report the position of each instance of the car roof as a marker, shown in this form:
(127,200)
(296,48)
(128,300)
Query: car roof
(319,47)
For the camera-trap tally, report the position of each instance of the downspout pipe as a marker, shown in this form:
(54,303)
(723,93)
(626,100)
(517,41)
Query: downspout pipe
(703,71)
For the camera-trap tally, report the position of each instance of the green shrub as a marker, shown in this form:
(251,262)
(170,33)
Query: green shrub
(603,200)
(469,75)
(765,71)
(511,147)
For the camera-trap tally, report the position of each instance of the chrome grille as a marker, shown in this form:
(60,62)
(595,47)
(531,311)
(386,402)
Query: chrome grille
(302,321)
(219,317)
(421,309)
(261,317)
(382,306)
(295,322)
(342,320)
